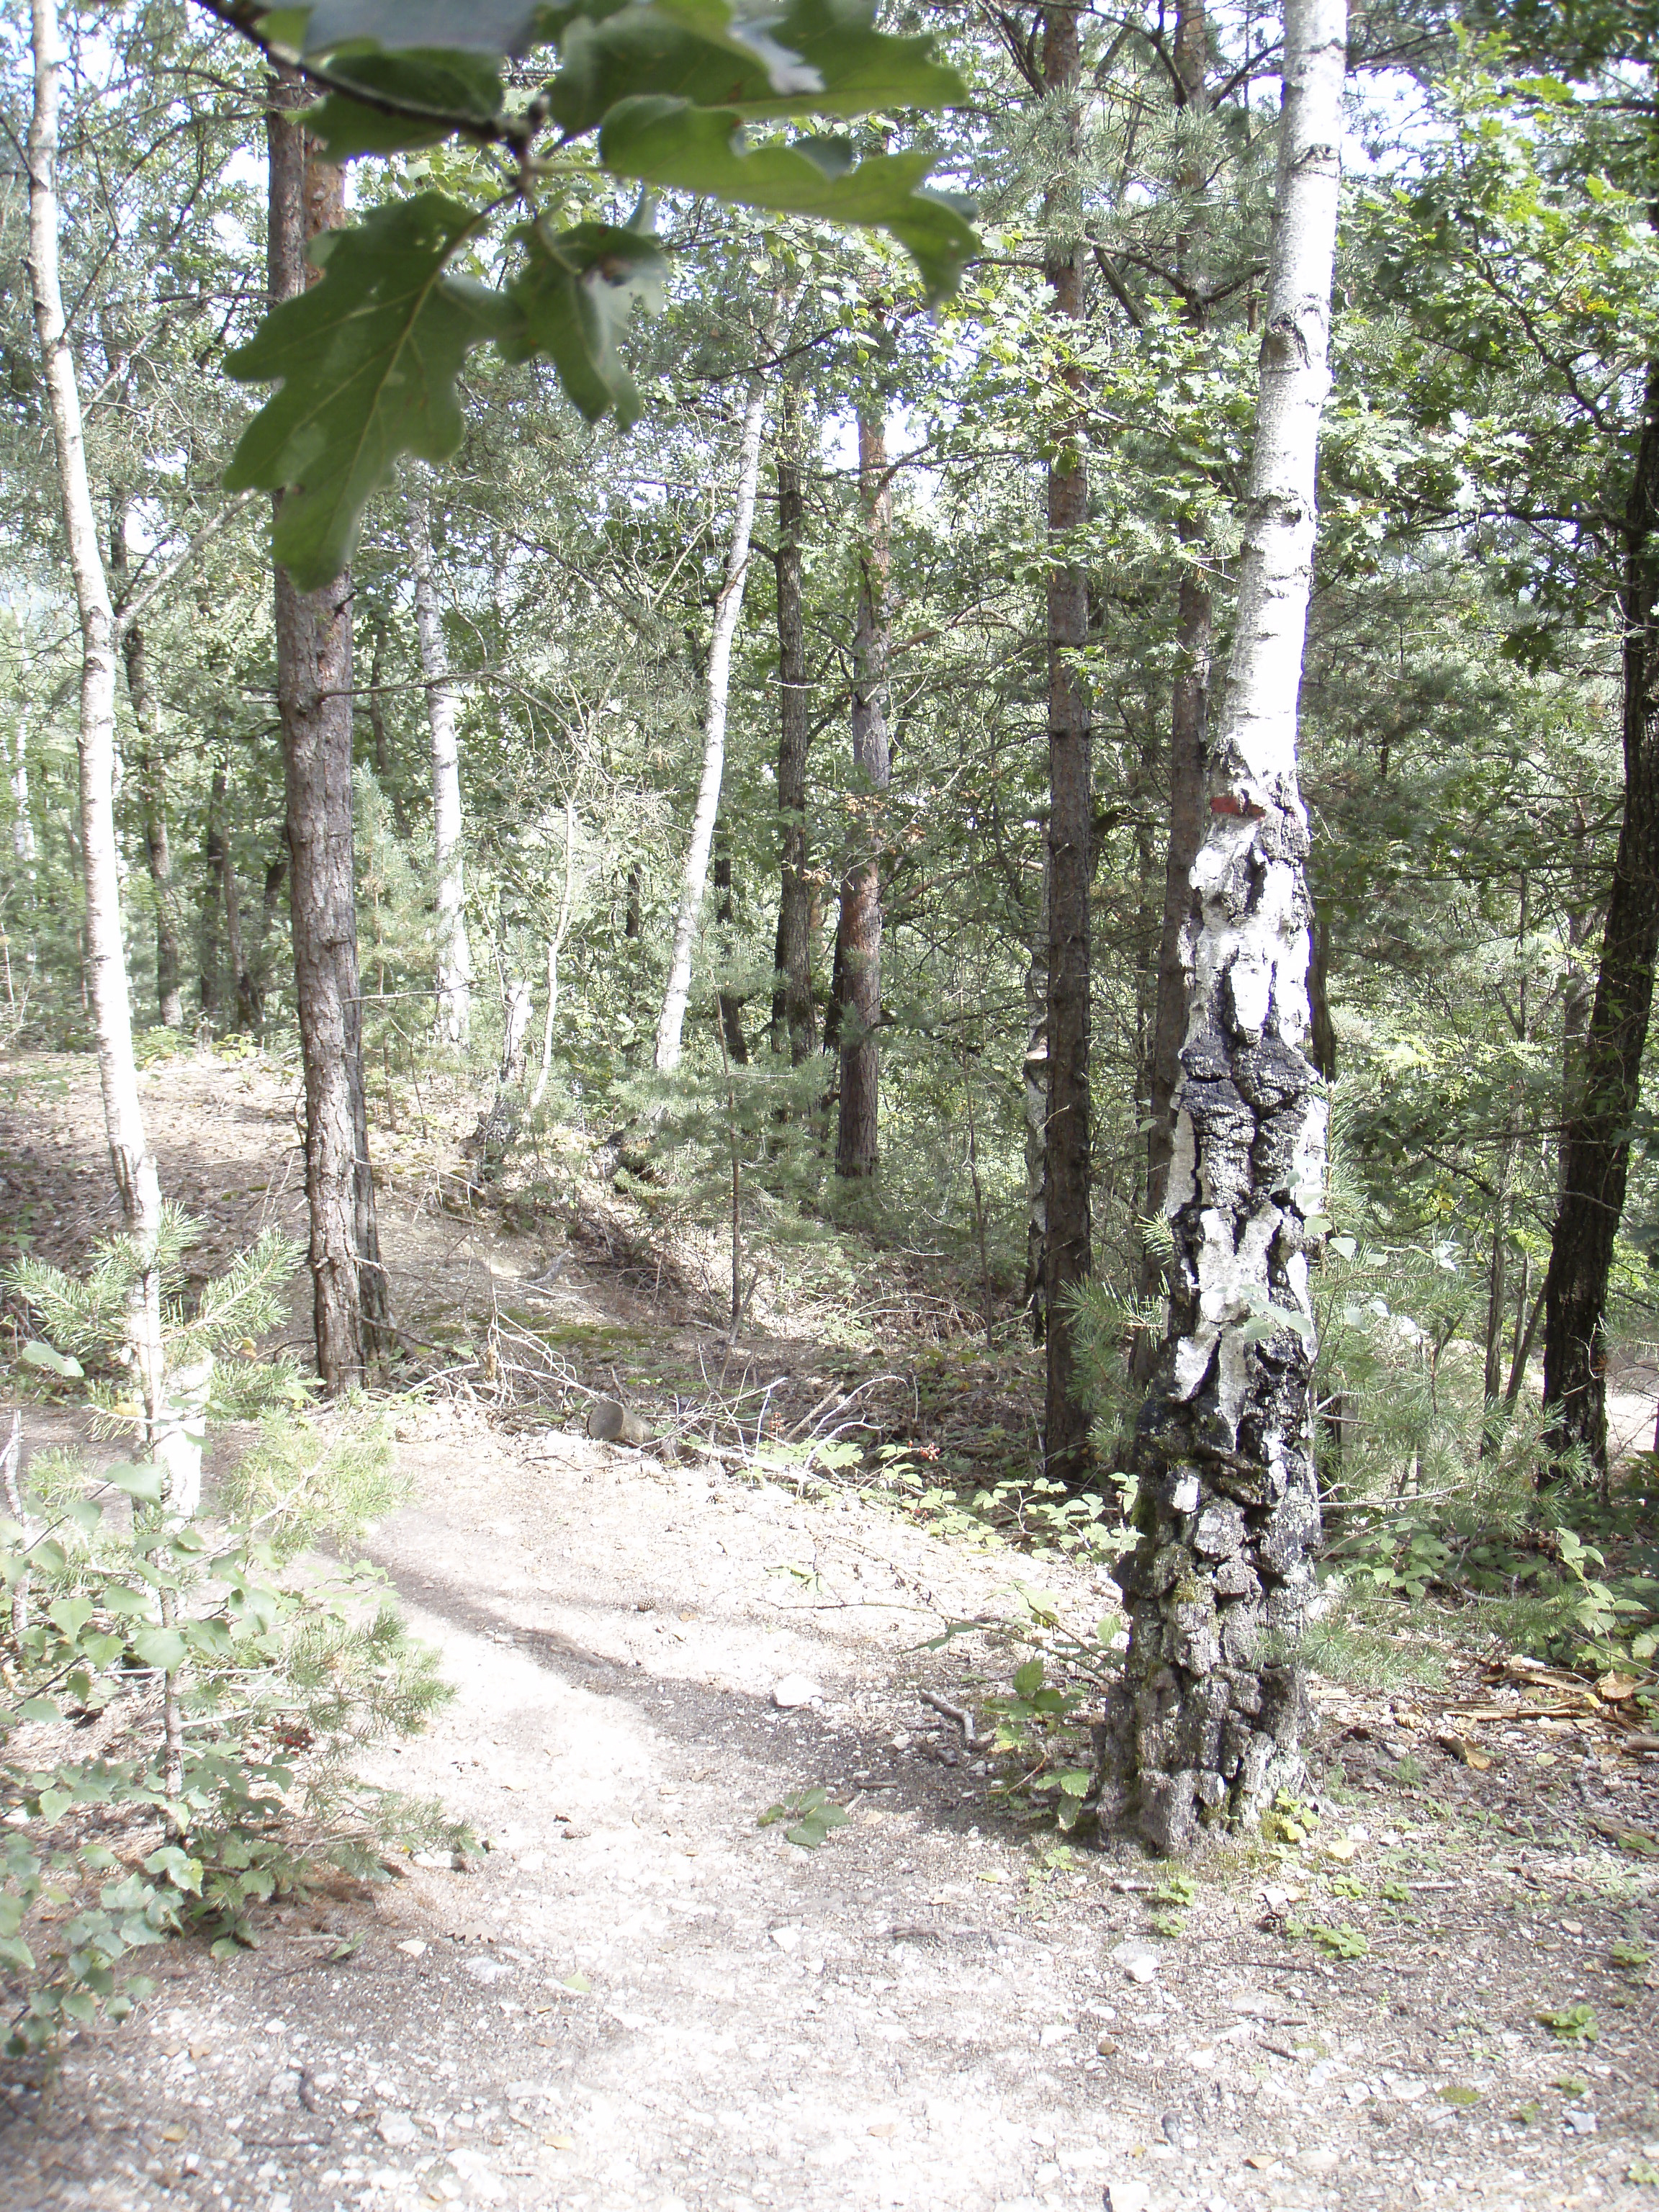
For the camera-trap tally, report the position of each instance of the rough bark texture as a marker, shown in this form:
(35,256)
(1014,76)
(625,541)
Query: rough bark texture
(313,685)
(728,610)
(1601,1102)
(1204,1725)
(137,1181)
(454,953)
(858,935)
(792,1004)
(1068,1255)
(151,776)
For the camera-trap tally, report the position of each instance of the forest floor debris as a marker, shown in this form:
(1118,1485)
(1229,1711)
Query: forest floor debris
(639,1995)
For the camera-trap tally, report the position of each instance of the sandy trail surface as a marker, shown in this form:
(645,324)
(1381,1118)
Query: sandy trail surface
(640,1996)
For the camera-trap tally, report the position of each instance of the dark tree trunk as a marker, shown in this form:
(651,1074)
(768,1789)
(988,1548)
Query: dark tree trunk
(792,1002)
(1067,1240)
(1322,1032)
(1189,715)
(151,777)
(857,944)
(234,925)
(210,907)
(314,683)
(258,974)
(737,1044)
(1595,1136)
(1189,720)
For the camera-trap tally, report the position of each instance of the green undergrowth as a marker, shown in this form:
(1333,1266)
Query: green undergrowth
(185,1693)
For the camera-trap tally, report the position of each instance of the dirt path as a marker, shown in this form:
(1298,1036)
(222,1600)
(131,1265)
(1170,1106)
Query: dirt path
(641,1997)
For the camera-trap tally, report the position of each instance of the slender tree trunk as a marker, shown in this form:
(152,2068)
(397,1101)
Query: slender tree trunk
(1321,1034)
(858,933)
(234,951)
(555,946)
(1034,1096)
(728,611)
(152,788)
(1189,719)
(791,1003)
(258,956)
(313,685)
(731,1007)
(454,953)
(137,1181)
(1068,1255)
(1205,1724)
(385,768)
(1595,1139)
(211,904)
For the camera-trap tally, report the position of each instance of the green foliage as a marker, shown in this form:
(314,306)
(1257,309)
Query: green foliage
(369,359)
(1573,2023)
(813,1818)
(164,1626)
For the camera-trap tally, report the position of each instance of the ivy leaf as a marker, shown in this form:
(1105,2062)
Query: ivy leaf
(475,27)
(668,142)
(576,297)
(816,56)
(368,360)
(456,86)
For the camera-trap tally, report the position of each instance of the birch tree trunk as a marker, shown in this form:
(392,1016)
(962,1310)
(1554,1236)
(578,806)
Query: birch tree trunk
(454,953)
(313,685)
(728,611)
(137,1181)
(858,933)
(1205,1724)
(1068,1243)
(791,1001)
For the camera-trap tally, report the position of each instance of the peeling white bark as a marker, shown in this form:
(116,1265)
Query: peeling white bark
(1204,1728)
(727,612)
(454,953)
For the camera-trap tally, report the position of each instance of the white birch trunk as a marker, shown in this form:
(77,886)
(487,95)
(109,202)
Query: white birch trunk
(22,827)
(136,1178)
(727,612)
(1206,1723)
(454,953)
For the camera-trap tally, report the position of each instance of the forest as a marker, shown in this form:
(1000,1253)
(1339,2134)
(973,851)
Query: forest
(999,667)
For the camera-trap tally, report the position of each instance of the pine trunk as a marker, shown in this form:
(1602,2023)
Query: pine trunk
(1602,1101)
(313,685)
(1068,1255)
(1205,1724)
(136,1183)
(792,1006)
(728,611)
(858,931)
(454,953)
